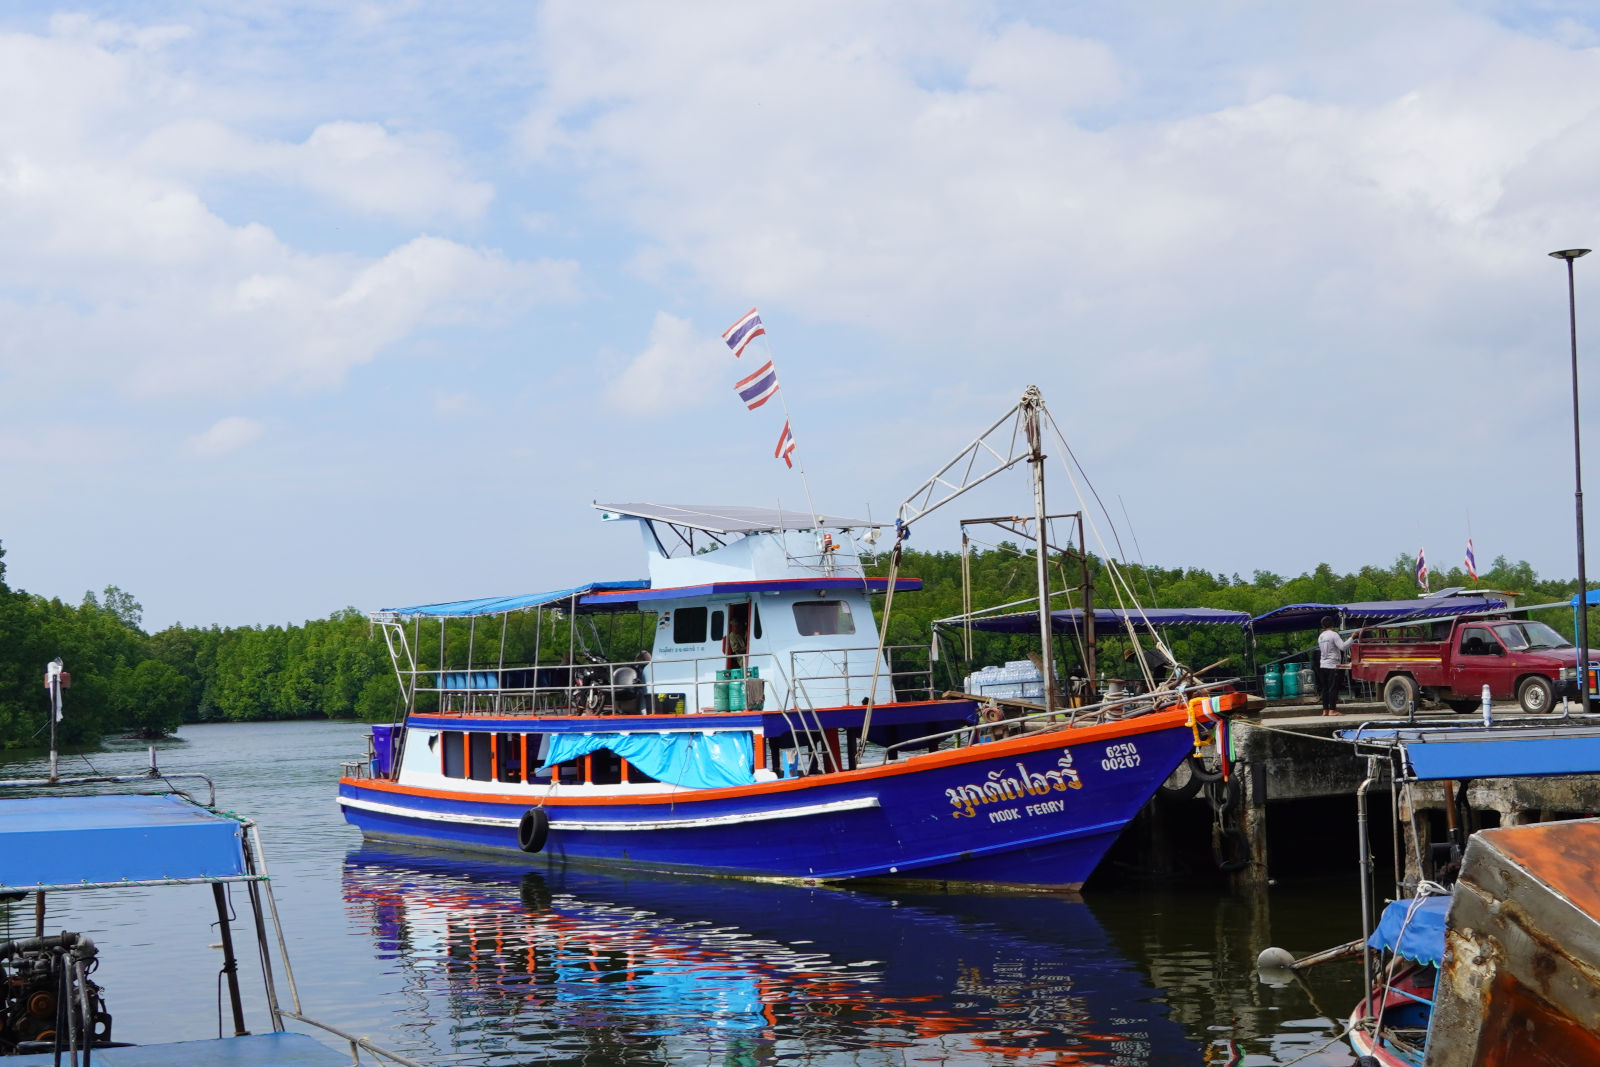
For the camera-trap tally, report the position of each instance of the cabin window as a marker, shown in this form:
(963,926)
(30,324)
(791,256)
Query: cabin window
(823,617)
(455,761)
(716,626)
(480,757)
(689,626)
(755,621)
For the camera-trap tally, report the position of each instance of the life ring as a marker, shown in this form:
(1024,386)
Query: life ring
(533,830)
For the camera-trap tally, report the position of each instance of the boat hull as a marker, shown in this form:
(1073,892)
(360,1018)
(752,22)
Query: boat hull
(1037,811)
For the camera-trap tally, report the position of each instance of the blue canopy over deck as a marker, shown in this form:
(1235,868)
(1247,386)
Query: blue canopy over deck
(1444,753)
(82,842)
(1413,929)
(1108,621)
(499,605)
(1296,617)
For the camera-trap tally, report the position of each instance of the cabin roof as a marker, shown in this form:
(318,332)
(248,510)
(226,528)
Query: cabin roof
(732,518)
(67,842)
(625,600)
(1462,752)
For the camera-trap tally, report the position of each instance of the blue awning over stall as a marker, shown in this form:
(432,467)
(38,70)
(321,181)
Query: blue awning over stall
(63,842)
(1296,617)
(497,605)
(1413,929)
(1108,621)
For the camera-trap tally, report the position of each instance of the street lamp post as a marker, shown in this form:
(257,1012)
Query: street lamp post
(1570,254)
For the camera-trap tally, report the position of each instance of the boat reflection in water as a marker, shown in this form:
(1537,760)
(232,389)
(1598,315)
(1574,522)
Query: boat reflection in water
(644,968)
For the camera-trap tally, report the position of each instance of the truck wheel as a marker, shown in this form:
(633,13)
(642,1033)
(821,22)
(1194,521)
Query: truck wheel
(1399,694)
(1535,695)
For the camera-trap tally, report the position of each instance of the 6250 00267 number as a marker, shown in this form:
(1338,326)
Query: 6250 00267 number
(1120,756)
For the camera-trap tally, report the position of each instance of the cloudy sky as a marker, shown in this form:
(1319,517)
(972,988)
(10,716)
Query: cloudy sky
(314,303)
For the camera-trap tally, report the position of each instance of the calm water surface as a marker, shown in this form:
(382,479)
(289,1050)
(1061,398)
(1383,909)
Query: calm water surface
(456,960)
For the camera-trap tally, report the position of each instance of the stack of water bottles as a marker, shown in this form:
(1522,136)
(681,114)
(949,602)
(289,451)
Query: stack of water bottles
(1019,679)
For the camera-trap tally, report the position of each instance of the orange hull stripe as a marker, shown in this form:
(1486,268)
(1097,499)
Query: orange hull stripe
(1014,746)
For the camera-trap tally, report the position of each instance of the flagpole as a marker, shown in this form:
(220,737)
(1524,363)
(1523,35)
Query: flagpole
(816,523)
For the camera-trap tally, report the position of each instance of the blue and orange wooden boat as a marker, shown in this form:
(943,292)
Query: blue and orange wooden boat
(763,730)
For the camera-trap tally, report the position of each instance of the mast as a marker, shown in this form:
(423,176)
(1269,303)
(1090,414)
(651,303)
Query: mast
(1031,402)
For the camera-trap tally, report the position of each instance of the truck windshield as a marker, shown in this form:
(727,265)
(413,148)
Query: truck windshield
(1529,636)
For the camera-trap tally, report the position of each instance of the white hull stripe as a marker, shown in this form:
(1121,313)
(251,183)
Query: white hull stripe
(858,804)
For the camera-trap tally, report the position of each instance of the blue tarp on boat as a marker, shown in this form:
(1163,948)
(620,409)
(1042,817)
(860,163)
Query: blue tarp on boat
(688,758)
(65,841)
(1413,929)
(1292,618)
(497,605)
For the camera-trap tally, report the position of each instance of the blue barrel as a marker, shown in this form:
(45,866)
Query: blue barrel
(1291,681)
(1271,683)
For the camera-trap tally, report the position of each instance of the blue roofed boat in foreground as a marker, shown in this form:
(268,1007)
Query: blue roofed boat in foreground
(1495,961)
(53,1012)
(764,729)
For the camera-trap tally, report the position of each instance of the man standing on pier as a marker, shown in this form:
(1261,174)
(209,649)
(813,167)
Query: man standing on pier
(1331,649)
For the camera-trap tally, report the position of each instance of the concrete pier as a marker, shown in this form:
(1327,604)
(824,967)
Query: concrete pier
(1289,809)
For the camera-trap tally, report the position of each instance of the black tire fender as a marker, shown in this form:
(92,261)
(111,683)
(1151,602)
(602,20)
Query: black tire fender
(533,830)
(1240,846)
(1183,783)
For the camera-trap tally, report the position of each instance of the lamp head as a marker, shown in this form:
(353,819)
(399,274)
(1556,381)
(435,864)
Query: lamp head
(1570,253)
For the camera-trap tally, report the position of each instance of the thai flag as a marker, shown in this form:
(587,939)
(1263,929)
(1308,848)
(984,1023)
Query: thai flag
(785,445)
(758,388)
(1471,561)
(744,331)
(1422,570)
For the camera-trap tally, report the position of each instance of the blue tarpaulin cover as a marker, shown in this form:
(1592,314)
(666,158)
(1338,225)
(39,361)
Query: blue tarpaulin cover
(680,757)
(1107,621)
(496,605)
(1421,937)
(1295,617)
(72,840)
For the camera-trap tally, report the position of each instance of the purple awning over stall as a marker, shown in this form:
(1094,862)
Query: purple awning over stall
(1296,617)
(1107,621)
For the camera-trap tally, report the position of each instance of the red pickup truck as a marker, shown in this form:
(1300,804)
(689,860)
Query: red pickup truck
(1453,659)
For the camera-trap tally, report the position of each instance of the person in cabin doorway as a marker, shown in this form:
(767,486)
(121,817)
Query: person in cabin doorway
(737,640)
(1330,653)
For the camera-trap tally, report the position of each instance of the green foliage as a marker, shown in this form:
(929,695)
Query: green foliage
(149,699)
(127,681)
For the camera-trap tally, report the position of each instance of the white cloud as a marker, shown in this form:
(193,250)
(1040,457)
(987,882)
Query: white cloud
(1040,69)
(225,435)
(828,170)
(114,262)
(411,178)
(677,370)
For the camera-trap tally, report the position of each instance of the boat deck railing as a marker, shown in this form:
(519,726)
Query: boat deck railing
(1006,718)
(798,680)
